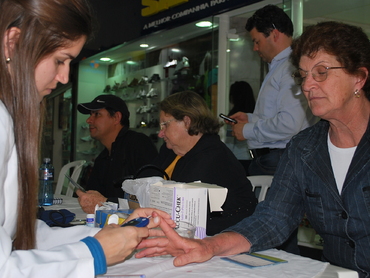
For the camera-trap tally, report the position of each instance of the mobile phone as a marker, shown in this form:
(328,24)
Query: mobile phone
(228,119)
(75,184)
(137,222)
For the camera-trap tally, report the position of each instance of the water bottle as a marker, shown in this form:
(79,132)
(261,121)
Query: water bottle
(46,178)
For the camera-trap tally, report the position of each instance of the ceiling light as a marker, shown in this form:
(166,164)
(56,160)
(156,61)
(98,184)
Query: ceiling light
(175,50)
(203,24)
(144,45)
(105,59)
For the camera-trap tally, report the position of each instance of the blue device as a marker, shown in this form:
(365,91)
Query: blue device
(137,222)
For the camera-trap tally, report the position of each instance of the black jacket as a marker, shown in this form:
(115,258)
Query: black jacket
(129,152)
(211,161)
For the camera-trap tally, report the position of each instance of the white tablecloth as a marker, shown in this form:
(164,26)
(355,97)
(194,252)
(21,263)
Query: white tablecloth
(297,267)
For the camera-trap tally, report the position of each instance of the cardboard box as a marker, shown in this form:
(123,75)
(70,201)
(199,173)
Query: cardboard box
(132,200)
(188,202)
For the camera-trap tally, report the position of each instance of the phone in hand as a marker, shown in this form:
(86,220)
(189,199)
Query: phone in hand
(223,116)
(75,184)
(137,222)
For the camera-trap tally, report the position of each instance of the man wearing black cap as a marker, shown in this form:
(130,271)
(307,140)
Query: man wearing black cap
(125,150)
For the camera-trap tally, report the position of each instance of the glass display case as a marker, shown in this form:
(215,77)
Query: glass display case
(144,72)
(57,140)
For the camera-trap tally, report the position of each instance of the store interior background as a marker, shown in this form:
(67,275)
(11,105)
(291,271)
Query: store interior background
(225,50)
(217,56)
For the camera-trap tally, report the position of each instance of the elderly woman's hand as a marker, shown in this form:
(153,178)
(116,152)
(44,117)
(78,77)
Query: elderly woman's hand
(166,241)
(89,200)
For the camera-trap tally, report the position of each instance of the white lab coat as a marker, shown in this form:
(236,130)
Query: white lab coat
(59,252)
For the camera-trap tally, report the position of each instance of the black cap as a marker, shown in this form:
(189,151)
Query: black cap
(105,101)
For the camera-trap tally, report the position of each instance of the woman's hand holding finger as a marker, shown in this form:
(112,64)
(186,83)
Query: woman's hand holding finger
(119,242)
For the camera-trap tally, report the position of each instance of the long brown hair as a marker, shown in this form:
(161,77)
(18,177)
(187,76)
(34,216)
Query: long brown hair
(45,26)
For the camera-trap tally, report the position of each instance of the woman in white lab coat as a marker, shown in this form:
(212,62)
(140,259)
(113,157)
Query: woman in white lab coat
(39,38)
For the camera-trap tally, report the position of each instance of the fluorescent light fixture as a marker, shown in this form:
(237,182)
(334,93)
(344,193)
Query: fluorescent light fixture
(131,62)
(144,45)
(105,59)
(175,50)
(203,24)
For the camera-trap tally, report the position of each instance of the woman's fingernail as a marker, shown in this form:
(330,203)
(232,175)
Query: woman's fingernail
(156,220)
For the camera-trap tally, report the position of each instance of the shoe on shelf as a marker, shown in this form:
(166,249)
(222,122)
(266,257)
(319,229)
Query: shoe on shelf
(153,108)
(183,65)
(116,86)
(170,64)
(152,93)
(106,89)
(123,84)
(133,83)
(143,80)
(185,62)
(145,109)
(154,123)
(154,78)
(141,94)
(138,110)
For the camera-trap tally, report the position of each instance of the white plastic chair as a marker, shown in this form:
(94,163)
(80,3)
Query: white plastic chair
(77,165)
(263,182)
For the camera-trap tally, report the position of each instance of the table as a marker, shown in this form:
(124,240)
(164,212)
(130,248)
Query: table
(297,266)
(71,204)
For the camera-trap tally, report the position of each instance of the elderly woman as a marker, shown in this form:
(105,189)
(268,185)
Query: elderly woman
(193,151)
(324,172)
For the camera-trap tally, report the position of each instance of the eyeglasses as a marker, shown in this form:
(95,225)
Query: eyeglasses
(319,74)
(164,125)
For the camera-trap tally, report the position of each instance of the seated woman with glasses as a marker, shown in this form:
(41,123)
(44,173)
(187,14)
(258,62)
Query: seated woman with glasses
(325,170)
(193,151)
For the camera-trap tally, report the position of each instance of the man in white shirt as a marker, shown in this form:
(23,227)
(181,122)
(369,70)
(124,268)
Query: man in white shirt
(281,109)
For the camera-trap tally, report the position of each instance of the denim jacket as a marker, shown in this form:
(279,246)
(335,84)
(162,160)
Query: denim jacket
(304,183)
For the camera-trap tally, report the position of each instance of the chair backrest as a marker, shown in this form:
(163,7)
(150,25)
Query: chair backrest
(262,182)
(77,165)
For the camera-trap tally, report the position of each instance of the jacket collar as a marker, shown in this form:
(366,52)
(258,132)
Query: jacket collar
(316,157)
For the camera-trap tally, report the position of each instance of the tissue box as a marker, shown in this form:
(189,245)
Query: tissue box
(188,202)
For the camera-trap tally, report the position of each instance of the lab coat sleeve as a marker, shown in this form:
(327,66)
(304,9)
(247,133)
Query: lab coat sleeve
(58,258)
(47,237)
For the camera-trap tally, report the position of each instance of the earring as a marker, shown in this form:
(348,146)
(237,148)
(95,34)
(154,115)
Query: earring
(8,60)
(357,93)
